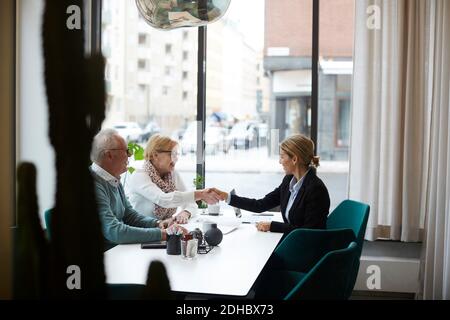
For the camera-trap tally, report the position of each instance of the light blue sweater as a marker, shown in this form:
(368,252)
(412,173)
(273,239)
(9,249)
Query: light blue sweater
(120,222)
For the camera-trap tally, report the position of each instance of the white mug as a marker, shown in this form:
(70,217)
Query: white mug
(214,209)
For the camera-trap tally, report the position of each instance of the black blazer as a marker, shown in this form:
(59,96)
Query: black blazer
(309,210)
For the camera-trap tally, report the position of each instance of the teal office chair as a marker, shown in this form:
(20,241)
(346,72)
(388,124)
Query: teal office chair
(350,214)
(295,257)
(329,279)
(354,215)
(302,249)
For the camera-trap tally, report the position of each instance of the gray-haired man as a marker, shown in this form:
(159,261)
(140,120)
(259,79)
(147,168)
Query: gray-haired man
(120,222)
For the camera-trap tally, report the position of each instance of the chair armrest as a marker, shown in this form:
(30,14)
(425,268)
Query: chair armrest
(303,248)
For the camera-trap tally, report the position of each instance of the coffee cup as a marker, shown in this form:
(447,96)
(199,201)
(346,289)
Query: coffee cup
(213,209)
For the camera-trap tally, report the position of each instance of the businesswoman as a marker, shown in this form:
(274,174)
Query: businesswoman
(157,189)
(303,198)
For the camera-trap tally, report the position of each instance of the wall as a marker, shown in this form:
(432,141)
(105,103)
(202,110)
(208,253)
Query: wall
(399,265)
(294,18)
(32,141)
(6,143)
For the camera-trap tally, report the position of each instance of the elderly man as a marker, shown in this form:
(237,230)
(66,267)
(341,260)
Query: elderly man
(120,222)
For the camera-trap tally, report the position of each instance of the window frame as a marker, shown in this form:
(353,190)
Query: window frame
(96,7)
(337,100)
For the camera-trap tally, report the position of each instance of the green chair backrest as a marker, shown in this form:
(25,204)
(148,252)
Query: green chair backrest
(350,214)
(329,279)
(303,248)
(354,215)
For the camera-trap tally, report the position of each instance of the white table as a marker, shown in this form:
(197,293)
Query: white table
(228,269)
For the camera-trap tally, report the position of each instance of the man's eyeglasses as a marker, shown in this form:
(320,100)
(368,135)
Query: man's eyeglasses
(128,151)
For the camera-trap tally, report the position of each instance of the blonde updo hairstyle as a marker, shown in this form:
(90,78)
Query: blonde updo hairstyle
(302,147)
(158,143)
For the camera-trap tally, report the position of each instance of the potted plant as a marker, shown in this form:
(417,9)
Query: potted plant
(198,184)
(138,153)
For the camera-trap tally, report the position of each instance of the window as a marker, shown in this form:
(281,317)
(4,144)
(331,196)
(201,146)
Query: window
(335,68)
(142,64)
(107,72)
(143,95)
(343,123)
(168,48)
(258,88)
(142,39)
(149,99)
(241,124)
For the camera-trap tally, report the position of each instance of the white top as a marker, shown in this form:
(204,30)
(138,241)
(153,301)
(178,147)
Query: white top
(143,194)
(294,188)
(229,269)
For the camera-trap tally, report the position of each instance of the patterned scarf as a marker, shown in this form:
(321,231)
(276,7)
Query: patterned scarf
(166,184)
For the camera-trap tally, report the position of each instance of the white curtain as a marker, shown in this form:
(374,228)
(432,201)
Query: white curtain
(389,121)
(400,157)
(435,274)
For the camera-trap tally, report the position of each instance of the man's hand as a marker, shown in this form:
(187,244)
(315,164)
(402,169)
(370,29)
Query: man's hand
(182,217)
(183,230)
(166,223)
(175,227)
(263,226)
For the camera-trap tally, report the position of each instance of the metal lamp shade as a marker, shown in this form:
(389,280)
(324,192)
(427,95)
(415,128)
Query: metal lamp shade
(172,14)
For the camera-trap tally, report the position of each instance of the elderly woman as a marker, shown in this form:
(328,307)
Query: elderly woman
(303,198)
(157,189)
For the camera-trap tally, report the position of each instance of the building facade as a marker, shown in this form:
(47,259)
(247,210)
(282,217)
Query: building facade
(287,61)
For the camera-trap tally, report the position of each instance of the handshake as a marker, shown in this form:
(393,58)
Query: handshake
(210,195)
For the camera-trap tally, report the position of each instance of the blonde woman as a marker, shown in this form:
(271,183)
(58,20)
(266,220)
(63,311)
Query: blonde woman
(157,189)
(303,198)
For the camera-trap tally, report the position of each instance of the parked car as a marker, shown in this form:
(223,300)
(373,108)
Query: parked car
(150,129)
(214,139)
(130,131)
(222,119)
(243,134)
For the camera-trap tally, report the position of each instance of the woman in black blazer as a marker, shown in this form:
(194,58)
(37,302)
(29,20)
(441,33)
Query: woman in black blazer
(301,194)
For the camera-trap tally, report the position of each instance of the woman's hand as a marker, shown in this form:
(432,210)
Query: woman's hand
(222,194)
(263,226)
(183,217)
(207,195)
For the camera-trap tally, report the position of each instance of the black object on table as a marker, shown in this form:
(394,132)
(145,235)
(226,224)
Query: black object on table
(154,245)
